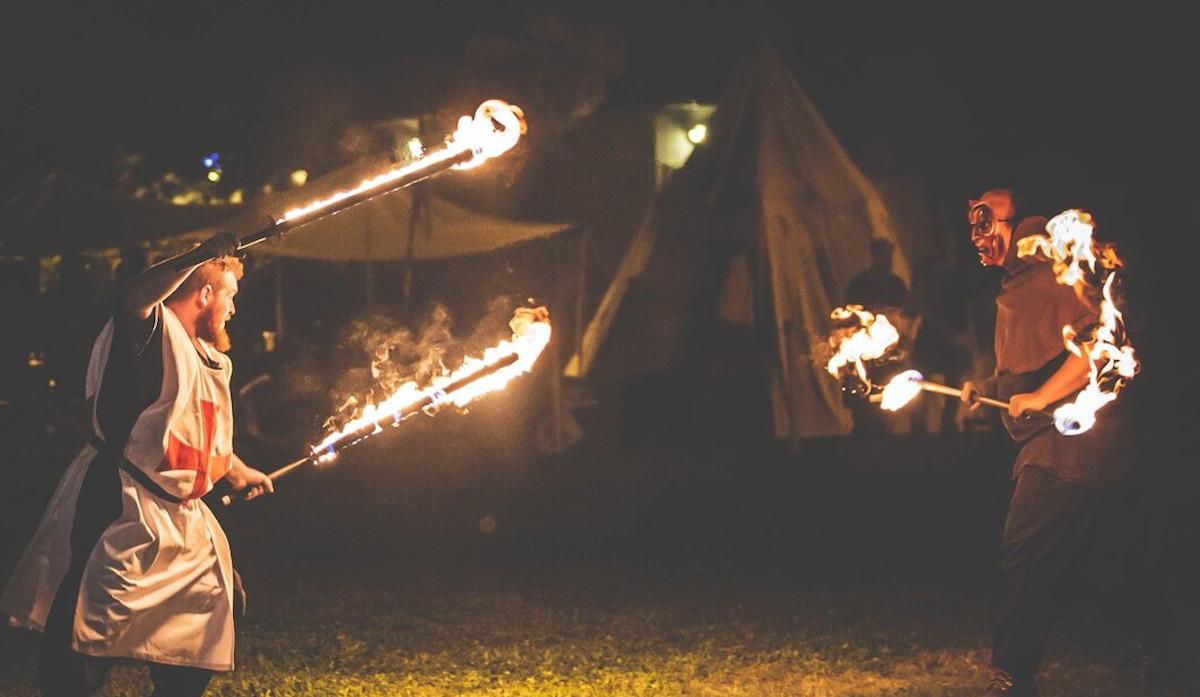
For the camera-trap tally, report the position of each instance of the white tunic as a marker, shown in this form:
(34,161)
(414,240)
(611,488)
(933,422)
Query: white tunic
(158,584)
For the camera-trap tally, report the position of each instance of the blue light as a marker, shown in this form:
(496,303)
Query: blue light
(212,160)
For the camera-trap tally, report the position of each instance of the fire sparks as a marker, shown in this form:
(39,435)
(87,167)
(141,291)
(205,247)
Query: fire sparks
(475,377)
(1111,360)
(863,336)
(494,130)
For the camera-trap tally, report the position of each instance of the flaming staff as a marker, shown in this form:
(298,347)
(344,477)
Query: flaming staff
(493,131)
(1079,262)
(475,377)
(1111,360)
(903,388)
(865,342)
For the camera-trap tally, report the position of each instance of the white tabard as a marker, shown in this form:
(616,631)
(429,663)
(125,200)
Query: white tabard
(158,585)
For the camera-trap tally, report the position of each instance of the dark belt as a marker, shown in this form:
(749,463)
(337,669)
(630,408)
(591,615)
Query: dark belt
(134,471)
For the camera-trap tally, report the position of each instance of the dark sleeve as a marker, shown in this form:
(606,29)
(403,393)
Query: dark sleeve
(133,375)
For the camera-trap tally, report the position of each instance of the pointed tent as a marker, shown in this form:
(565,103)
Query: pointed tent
(411,223)
(765,226)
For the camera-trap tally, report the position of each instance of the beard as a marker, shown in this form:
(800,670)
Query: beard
(211,328)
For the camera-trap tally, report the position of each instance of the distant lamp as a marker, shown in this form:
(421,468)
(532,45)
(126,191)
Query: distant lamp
(237,197)
(696,134)
(299,177)
(212,160)
(214,176)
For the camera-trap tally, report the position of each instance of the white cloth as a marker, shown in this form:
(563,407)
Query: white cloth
(158,585)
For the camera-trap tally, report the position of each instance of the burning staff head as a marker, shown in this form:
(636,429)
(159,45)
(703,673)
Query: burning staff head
(493,131)
(1084,264)
(861,342)
(476,376)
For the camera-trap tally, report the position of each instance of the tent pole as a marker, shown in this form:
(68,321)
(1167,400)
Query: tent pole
(278,299)
(556,394)
(370,283)
(581,290)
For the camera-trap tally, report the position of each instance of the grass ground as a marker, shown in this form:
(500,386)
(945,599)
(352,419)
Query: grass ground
(659,573)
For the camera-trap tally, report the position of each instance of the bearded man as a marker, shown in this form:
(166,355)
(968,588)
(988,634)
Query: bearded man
(128,562)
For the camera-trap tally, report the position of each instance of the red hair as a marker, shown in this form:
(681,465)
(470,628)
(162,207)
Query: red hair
(209,272)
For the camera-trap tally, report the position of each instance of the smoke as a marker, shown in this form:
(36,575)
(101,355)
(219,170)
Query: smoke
(389,354)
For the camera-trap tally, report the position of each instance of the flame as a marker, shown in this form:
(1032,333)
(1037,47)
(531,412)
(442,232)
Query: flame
(874,338)
(1111,359)
(528,342)
(496,128)
(901,390)
(493,131)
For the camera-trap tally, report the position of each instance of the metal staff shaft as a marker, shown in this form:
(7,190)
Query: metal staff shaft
(416,172)
(431,400)
(228,499)
(947,390)
(939,388)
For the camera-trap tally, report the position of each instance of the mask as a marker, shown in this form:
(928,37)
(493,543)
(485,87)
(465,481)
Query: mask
(985,233)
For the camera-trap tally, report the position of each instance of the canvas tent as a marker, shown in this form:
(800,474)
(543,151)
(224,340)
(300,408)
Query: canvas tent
(762,229)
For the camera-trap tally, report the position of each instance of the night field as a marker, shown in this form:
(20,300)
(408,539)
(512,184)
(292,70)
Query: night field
(854,567)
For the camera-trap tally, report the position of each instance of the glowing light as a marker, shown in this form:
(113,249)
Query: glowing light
(214,176)
(299,177)
(1110,355)
(901,390)
(873,337)
(529,340)
(415,147)
(237,197)
(696,134)
(493,131)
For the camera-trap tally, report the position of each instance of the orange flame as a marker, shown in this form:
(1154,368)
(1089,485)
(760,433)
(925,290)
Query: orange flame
(874,338)
(1111,358)
(530,337)
(493,131)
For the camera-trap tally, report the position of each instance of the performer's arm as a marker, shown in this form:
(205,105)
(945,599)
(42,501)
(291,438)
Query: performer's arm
(156,283)
(1070,377)
(241,475)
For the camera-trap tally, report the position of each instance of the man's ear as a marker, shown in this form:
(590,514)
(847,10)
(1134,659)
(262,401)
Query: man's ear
(205,296)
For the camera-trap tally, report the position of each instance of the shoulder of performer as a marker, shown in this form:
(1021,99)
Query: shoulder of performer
(134,333)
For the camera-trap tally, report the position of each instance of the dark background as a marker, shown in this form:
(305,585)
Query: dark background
(1082,107)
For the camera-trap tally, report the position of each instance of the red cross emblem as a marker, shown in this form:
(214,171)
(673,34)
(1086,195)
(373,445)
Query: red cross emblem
(181,456)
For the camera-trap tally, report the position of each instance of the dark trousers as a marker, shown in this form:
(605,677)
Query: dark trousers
(62,671)
(1061,538)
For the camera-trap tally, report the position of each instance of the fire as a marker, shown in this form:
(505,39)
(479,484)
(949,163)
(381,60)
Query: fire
(531,334)
(873,337)
(901,390)
(493,131)
(1111,358)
